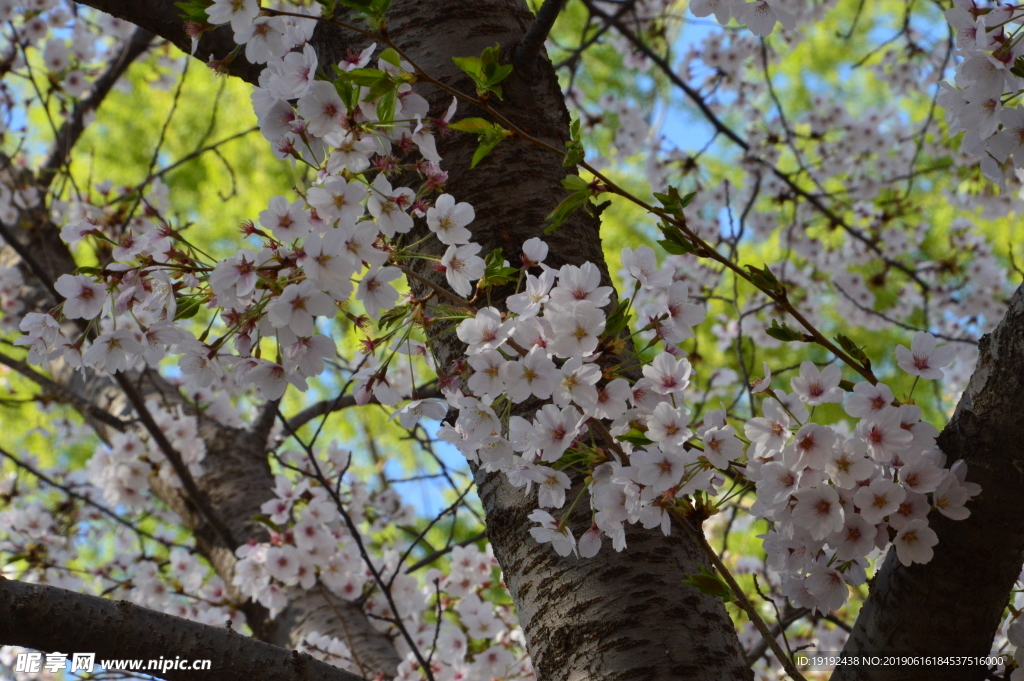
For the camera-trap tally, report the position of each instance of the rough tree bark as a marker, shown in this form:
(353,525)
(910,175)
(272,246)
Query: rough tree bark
(953,604)
(619,616)
(35,615)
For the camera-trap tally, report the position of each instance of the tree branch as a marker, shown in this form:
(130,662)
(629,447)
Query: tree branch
(344,402)
(164,19)
(51,619)
(814,199)
(37,271)
(529,49)
(431,557)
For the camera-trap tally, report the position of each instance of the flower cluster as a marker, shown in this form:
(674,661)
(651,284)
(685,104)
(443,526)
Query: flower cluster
(565,387)
(988,79)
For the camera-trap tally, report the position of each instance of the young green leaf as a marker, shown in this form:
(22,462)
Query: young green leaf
(786,333)
(674,203)
(488,141)
(765,280)
(386,106)
(574,152)
(675,242)
(194,10)
(710,583)
(575,183)
(636,438)
(474,125)
(486,71)
(566,208)
(852,349)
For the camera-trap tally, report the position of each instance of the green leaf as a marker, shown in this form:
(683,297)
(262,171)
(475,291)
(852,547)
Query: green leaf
(574,154)
(386,106)
(474,125)
(473,66)
(391,56)
(380,88)
(765,280)
(486,71)
(194,10)
(495,258)
(187,308)
(710,583)
(566,208)
(675,241)
(329,6)
(786,333)
(490,135)
(1018,67)
(675,248)
(362,77)
(485,147)
(349,93)
(852,349)
(488,141)
(674,203)
(372,11)
(495,271)
(392,317)
(617,320)
(635,437)
(575,183)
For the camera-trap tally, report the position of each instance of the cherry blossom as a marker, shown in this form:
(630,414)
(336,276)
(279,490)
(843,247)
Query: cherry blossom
(448,220)
(84,298)
(815,386)
(924,359)
(914,542)
(560,537)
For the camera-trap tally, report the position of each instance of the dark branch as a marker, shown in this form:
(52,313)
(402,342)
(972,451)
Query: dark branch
(50,619)
(31,263)
(529,49)
(164,19)
(431,557)
(344,402)
(698,100)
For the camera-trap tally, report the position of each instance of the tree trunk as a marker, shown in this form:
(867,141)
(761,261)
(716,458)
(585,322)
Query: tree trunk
(953,604)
